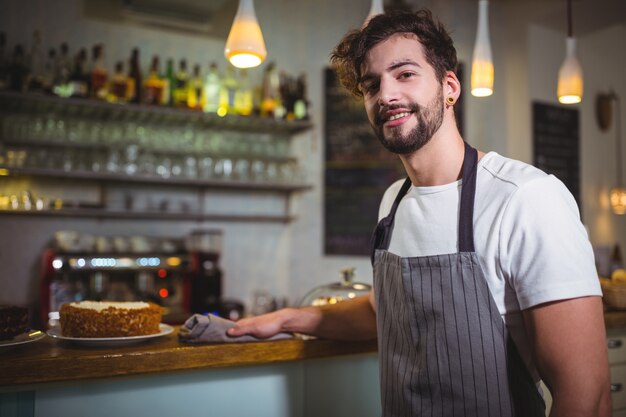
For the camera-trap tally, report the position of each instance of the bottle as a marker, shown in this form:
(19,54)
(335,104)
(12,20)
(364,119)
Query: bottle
(228,89)
(154,84)
(49,71)
(243,95)
(211,89)
(134,76)
(301,105)
(119,85)
(271,100)
(78,78)
(169,83)
(180,88)
(35,64)
(62,71)
(195,98)
(18,70)
(98,72)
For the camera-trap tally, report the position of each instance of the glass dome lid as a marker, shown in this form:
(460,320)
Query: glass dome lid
(336,292)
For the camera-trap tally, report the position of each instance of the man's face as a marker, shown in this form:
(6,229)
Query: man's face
(403,99)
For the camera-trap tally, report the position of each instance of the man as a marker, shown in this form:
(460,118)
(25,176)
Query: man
(484,279)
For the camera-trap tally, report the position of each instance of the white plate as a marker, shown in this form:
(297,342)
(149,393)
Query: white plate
(55,332)
(31,336)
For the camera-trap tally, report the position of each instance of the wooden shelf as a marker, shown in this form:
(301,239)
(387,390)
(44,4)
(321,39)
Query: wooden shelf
(144,179)
(148,215)
(95,109)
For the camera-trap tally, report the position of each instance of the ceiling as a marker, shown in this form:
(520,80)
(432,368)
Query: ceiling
(213,17)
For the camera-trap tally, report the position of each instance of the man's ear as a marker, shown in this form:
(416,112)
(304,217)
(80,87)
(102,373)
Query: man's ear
(451,86)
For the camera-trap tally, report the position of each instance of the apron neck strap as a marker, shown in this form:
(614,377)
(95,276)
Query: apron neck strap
(382,234)
(468,190)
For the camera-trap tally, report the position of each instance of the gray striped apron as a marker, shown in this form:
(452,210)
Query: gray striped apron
(443,346)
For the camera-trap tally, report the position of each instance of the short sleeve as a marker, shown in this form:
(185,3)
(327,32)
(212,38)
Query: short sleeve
(545,253)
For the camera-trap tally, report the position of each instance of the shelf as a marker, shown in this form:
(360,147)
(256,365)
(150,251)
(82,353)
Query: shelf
(95,109)
(147,215)
(142,179)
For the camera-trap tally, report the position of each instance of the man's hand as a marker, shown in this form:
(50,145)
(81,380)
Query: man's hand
(264,326)
(348,320)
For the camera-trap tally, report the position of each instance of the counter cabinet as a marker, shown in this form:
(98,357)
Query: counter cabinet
(294,378)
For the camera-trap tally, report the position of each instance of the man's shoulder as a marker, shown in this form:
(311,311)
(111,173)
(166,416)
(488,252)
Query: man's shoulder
(508,171)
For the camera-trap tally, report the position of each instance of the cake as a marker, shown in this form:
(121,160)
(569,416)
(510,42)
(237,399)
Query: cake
(109,318)
(13,321)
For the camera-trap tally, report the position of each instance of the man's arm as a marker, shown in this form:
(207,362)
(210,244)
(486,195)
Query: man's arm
(348,320)
(568,340)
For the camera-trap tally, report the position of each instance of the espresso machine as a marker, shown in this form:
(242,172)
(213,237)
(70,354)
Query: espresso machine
(180,274)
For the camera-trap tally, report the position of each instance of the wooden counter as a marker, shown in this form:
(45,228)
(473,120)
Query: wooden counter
(49,360)
(614,319)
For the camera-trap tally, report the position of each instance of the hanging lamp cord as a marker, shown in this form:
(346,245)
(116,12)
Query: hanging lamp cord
(570,30)
(618,138)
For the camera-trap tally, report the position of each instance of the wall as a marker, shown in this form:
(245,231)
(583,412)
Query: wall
(289,260)
(603,59)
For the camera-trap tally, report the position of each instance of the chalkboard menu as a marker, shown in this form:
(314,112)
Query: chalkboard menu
(556,140)
(358,171)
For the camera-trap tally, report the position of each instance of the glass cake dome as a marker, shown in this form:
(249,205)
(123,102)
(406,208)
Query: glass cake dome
(336,292)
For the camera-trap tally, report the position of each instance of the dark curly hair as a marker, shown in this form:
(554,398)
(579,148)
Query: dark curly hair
(349,54)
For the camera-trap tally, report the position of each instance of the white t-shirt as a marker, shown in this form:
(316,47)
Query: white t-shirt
(528,236)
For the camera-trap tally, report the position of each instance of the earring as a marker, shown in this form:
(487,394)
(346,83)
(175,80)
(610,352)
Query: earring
(450,100)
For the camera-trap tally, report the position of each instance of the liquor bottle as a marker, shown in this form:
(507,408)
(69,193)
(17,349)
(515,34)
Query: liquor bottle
(18,70)
(35,64)
(98,73)
(62,72)
(153,86)
(134,75)
(194,90)
(271,100)
(49,71)
(301,106)
(78,78)
(211,90)
(243,95)
(228,89)
(170,84)
(64,65)
(4,62)
(180,88)
(119,85)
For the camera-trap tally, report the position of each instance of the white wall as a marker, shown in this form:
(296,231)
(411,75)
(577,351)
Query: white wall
(289,260)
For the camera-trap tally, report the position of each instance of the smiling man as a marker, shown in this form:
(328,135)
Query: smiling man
(484,278)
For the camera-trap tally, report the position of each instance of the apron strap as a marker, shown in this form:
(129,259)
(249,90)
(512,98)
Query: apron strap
(382,233)
(468,191)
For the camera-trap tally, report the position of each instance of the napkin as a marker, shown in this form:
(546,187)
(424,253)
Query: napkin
(212,329)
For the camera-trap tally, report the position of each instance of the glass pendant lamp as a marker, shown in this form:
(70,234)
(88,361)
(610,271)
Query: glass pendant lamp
(482,62)
(570,85)
(245,47)
(375,9)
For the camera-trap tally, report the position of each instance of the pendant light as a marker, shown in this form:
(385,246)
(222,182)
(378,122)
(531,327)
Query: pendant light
(245,47)
(482,62)
(570,85)
(375,9)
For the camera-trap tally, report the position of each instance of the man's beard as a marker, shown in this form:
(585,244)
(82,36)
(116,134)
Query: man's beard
(429,120)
